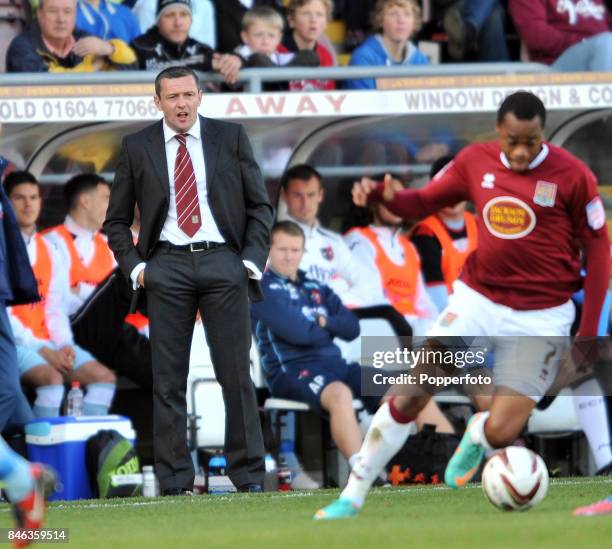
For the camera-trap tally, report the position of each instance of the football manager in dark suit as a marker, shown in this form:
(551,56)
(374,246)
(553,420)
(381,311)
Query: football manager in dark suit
(203,243)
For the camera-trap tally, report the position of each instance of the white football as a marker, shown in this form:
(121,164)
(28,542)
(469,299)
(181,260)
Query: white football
(515,479)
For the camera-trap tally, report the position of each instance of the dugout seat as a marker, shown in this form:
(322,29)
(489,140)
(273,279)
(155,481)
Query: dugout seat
(283,406)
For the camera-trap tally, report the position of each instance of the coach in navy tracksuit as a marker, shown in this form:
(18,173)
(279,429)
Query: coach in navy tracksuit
(295,326)
(17,286)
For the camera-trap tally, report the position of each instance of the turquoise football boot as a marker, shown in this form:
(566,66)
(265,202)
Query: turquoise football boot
(339,509)
(464,463)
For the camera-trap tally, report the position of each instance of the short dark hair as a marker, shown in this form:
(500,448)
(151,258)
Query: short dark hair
(438,164)
(287,227)
(18,178)
(303,172)
(524,105)
(174,72)
(80,184)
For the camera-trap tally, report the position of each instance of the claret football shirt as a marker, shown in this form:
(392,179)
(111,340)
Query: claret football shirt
(531,225)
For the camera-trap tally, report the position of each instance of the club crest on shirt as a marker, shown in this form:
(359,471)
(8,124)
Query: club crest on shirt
(315,295)
(448,319)
(545,194)
(327,253)
(488,181)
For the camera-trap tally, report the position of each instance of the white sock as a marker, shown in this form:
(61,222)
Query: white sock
(98,399)
(592,412)
(383,440)
(48,400)
(353,459)
(476,430)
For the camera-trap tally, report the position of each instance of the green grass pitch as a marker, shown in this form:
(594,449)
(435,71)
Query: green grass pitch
(410,518)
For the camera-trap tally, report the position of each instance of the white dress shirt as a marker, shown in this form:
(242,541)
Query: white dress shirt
(209,231)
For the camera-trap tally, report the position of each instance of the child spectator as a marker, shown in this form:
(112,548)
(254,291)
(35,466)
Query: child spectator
(396,21)
(262,30)
(308,20)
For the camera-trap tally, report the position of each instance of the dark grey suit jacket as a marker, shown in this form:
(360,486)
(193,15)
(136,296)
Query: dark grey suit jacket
(236,194)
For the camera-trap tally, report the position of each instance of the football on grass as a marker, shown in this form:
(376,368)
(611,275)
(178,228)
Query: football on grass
(515,479)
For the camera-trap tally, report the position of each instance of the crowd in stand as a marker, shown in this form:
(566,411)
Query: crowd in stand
(224,36)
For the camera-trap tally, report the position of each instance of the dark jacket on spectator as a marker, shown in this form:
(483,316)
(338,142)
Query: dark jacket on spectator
(286,322)
(155,53)
(549,27)
(28,53)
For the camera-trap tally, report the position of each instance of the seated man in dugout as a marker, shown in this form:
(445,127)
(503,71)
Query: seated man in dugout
(295,327)
(44,360)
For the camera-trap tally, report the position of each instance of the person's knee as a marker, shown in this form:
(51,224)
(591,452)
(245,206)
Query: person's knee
(336,396)
(105,375)
(95,372)
(603,41)
(50,376)
(500,432)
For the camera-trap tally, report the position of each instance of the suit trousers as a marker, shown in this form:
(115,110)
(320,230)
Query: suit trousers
(177,284)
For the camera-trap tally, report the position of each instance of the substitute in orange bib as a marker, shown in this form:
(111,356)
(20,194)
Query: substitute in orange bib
(83,249)
(444,241)
(44,361)
(392,266)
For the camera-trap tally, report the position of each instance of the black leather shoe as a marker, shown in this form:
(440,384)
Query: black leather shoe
(177,492)
(252,488)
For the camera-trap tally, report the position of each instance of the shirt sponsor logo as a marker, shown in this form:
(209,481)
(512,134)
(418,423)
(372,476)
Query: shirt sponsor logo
(596,215)
(508,217)
(545,194)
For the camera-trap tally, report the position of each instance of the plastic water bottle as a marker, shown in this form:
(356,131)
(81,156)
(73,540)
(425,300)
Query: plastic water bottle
(217,480)
(284,476)
(270,478)
(149,484)
(74,400)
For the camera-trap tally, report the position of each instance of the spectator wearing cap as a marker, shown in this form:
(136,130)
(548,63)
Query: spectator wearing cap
(167,44)
(203,27)
(107,20)
(53,44)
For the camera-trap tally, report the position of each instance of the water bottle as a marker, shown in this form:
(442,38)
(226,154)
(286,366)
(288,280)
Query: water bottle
(74,400)
(284,476)
(270,477)
(149,484)
(217,480)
